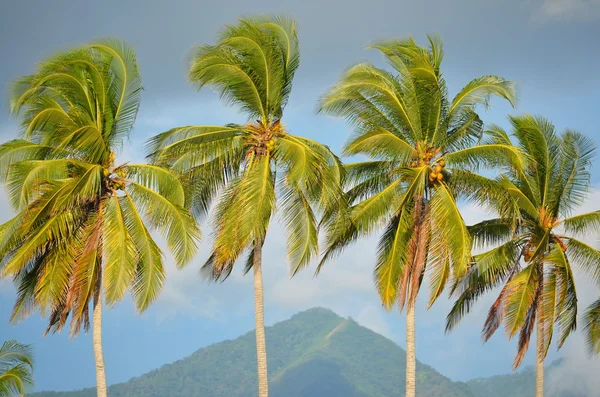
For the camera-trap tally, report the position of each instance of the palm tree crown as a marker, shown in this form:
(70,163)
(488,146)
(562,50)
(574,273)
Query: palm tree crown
(16,367)
(419,143)
(534,237)
(83,222)
(251,165)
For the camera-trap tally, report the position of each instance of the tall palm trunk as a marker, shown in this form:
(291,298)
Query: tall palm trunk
(97,340)
(259,314)
(540,348)
(416,269)
(411,358)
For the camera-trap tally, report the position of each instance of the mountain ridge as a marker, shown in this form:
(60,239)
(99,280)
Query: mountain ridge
(314,353)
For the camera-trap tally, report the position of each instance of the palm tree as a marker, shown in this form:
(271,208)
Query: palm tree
(16,367)
(592,327)
(250,168)
(420,144)
(534,239)
(82,228)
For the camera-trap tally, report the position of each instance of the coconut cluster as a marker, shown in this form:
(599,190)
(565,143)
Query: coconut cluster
(436,174)
(115,181)
(270,144)
(264,134)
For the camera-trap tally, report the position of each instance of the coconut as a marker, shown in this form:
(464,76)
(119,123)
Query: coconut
(433,175)
(440,177)
(438,168)
(442,162)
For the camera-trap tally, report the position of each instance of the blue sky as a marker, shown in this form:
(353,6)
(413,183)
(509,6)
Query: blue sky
(549,47)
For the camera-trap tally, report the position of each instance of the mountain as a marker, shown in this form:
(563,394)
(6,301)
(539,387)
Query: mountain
(316,353)
(522,384)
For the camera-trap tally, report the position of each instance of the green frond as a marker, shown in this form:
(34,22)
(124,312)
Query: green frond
(172,220)
(366,179)
(549,314)
(149,271)
(302,164)
(119,251)
(243,216)
(177,142)
(521,199)
(586,257)
(485,155)
(34,242)
(123,86)
(573,184)
(488,270)
(16,368)
(411,60)
(449,228)
(369,96)
(86,279)
(482,191)
(478,91)
(591,327)
(301,226)
(463,133)
(53,277)
(567,294)
(252,65)
(439,273)
(583,223)
(538,139)
(84,100)
(369,213)
(490,232)
(392,255)
(520,295)
(324,186)
(380,143)
(338,232)
(158,179)
(18,150)
(25,179)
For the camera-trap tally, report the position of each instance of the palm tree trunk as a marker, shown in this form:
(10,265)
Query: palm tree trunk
(98,354)
(416,270)
(259,314)
(411,358)
(539,364)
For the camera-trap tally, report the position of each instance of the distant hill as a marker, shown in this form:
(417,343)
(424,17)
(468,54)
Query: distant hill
(316,353)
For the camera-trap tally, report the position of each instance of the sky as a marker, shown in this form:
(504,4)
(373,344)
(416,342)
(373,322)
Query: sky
(548,47)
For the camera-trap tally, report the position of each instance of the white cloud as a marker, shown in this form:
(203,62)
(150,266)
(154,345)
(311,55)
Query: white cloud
(567,9)
(578,374)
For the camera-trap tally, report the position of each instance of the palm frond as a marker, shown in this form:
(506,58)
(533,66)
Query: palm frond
(149,273)
(586,257)
(583,223)
(174,222)
(119,251)
(391,256)
(449,229)
(16,368)
(577,152)
(592,327)
(301,226)
(520,296)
